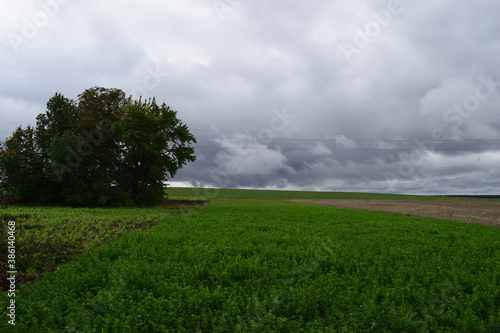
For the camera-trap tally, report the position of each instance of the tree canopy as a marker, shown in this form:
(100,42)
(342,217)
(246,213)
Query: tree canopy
(102,149)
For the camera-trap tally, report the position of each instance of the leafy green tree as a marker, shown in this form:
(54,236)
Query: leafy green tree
(61,116)
(154,145)
(102,149)
(53,127)
(21,165)
(95,149)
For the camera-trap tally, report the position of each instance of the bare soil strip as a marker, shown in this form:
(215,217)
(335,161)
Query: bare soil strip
(462,210)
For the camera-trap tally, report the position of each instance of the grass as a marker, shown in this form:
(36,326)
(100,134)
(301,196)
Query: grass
(210,193)
(261,264)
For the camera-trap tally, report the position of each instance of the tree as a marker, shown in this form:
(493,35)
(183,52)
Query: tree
(53,129)
(155,144)
(102,149)
(20,164)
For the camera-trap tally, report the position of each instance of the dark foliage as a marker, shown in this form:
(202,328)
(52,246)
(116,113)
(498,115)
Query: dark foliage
(102,149)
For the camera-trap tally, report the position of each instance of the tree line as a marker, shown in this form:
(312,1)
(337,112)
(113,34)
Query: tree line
(102,149)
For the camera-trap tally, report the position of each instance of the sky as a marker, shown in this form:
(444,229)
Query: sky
(368,96)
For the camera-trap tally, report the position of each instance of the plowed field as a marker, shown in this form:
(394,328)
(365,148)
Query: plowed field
(462,210)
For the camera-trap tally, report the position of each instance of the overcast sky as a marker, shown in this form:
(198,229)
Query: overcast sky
(373,96)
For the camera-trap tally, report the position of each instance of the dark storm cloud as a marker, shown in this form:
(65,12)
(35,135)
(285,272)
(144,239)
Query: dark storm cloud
(270,91)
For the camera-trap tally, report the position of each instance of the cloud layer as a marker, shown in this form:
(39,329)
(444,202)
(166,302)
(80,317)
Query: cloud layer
(385,96)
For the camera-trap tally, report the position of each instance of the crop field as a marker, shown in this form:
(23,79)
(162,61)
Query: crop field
(50,236)
(208,193)
(463,210)
(253,261)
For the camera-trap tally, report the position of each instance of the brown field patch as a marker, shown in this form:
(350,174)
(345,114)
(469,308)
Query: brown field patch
(461,210)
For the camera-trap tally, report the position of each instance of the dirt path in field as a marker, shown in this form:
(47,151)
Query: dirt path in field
(462,210)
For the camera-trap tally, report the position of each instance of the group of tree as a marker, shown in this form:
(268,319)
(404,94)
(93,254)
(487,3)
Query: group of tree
(102,149)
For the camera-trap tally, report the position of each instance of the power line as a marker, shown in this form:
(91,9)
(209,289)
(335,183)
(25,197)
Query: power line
(348,149)
(351,140)
(350,134)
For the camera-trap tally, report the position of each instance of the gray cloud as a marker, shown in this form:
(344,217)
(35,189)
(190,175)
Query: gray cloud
(384,118)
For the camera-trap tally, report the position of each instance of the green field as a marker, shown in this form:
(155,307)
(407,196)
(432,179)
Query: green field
(255,261)
(209,193)
(49,236)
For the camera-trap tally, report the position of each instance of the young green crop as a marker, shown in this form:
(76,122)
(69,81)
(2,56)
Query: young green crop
(216,193)
(255,266)
(49,236)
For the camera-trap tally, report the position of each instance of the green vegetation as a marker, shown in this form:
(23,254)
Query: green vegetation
(209,193)
(275,266)
(49,236)
(102,150)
